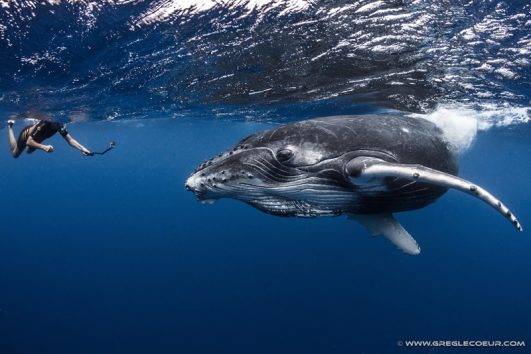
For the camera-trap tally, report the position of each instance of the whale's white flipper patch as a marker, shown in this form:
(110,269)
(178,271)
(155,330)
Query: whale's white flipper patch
(388,226)
(362,168)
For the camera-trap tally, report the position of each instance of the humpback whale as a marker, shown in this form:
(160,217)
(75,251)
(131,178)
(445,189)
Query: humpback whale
(367,167)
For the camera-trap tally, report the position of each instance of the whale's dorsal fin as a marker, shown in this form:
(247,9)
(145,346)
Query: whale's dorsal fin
(361,168)
(388,226)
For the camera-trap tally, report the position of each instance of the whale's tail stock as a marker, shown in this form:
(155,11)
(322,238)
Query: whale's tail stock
(363,168)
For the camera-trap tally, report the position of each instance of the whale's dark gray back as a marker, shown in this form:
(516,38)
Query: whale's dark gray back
(409,140)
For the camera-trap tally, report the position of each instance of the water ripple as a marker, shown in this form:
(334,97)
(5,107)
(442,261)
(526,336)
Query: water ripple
(117,58)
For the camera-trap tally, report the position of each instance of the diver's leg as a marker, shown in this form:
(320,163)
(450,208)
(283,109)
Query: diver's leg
(13,146)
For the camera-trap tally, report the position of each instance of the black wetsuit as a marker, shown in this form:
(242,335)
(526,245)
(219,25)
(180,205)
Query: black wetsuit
(43,130)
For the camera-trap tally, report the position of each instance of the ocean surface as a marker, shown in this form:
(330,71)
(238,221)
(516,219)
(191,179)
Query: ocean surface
(110,254)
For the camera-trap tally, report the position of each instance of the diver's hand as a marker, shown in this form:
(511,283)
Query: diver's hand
(86,152)
(48,148)
(10,123)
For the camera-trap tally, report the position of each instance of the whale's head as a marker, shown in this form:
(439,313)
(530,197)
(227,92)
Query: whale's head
(281,171)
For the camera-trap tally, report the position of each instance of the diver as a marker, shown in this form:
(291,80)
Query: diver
(33,136)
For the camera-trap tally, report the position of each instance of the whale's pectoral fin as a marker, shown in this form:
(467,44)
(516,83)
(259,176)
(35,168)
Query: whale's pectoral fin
(361,168)
(388,226)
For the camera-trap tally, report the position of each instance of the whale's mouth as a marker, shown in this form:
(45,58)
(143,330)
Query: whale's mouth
(199,195)
(202,197)
(202,194)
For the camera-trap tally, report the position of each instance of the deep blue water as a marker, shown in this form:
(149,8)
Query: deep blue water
(111,255)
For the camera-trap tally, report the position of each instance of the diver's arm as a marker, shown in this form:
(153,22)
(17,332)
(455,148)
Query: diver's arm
(32,143)
(13,146)
(75,144)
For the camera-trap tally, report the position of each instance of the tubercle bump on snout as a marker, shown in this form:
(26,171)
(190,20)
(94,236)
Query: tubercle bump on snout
(210,161)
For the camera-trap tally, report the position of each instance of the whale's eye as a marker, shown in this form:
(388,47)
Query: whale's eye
(284,155)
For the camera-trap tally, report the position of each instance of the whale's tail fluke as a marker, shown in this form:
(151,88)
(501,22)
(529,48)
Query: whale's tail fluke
(367,168)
